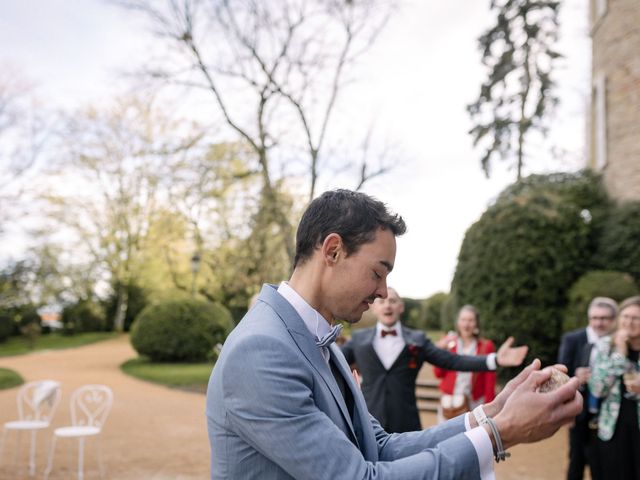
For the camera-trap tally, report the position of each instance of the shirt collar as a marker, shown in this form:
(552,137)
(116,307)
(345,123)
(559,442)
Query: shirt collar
(592,336)
(316,323)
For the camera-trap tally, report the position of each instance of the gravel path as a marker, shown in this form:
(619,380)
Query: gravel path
(153,432)
(158,433)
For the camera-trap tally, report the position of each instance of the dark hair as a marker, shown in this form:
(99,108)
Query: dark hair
(353,215)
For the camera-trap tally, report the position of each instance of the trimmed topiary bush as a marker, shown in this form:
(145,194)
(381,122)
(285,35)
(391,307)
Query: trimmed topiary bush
(618,245)
(518,260)
(599,283)
(180,330)
(83,316)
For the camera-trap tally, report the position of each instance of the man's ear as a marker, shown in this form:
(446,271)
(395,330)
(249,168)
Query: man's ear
(331,248)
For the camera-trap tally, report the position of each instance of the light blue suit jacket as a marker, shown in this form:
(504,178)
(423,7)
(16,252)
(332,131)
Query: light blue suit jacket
(274,411)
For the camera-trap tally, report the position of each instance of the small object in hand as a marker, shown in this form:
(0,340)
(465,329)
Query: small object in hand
(556,380)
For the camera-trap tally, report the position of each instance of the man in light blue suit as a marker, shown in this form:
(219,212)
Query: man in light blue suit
(282,403)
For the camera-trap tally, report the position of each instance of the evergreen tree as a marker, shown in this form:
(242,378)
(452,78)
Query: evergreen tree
(517,94)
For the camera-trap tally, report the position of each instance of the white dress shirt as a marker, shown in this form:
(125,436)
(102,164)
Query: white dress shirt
(316,323)
(390,347)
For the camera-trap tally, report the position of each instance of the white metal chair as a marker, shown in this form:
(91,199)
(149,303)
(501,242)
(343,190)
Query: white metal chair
(90,406)
(37,403)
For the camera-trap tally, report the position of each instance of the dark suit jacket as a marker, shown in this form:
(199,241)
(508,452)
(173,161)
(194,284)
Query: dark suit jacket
(391,394)
(574,352)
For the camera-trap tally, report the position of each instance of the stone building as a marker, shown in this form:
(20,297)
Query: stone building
(615,101)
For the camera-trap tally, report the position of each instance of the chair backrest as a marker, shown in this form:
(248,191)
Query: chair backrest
(38,400)
(90,405)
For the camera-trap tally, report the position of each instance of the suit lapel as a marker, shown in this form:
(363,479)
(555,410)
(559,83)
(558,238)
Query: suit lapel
(368,347)
(307,345)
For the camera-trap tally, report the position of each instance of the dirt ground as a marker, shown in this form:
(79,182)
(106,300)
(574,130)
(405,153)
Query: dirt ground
(158,433)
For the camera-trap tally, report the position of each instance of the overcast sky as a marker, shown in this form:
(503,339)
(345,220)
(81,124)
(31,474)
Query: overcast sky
(421,74)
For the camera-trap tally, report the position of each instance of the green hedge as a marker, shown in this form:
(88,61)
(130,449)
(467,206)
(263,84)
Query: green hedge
(433,311)
(413,315)
(7,325)
(517,261)
(616,285)
(180,330)
(618,246)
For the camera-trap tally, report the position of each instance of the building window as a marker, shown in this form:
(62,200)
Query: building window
(600,121)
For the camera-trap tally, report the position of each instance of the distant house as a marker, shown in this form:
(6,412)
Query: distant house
(51,319)
(614,133)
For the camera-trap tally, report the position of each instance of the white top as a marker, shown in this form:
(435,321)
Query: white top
(388,348)
(463,379)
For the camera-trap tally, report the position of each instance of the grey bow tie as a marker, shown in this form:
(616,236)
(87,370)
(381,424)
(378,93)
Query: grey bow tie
(330,337)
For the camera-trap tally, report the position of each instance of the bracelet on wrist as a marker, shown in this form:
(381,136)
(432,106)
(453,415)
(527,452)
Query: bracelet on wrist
(500,453)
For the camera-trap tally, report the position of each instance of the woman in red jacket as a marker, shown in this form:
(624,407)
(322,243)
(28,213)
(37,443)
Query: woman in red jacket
(463,391)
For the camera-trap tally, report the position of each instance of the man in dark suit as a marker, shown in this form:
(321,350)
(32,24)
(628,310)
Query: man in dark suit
(389,357)
(577,353)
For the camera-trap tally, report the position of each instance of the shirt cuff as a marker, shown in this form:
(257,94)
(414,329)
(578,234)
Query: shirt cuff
(484,450)
(491,361)
(467,422)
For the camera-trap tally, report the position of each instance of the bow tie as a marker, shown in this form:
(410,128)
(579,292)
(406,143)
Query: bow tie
(384,333)
(330,337)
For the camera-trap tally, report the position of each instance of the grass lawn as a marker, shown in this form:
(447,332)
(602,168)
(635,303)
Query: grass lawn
(53,341)
(9,378)
(191,376)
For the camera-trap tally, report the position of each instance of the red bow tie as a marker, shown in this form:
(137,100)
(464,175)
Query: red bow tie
(384,333)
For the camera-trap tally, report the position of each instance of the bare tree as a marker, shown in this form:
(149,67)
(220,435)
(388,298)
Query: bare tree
(274,71)
(22,135)
(114,170)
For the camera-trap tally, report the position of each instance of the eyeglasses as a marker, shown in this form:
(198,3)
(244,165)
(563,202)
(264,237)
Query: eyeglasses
(634,318)
(600,318)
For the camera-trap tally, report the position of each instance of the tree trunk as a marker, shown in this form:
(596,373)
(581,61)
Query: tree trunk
(121,308)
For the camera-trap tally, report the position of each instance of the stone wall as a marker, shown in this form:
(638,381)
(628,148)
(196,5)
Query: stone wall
(616,55)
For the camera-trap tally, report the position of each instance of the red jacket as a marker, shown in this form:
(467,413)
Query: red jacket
(482,383)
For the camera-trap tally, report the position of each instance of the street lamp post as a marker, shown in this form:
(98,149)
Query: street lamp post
(195,268)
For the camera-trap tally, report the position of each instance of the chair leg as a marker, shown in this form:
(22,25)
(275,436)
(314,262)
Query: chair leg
(52,448)
(18,448)
(99,450)
(32,454)
(81,458)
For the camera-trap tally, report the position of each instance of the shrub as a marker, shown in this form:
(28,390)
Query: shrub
(180,330)
(7,325)
(433,310)
(83,316)
(518,260)
(413,315)
(618,244)
(616,285)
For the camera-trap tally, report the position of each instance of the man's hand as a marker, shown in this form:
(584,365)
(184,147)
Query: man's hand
(509,356)
(620,339)
(583,374)
(529,416)
(493,408)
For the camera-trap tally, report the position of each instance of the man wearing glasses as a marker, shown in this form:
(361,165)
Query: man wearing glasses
(578,354)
